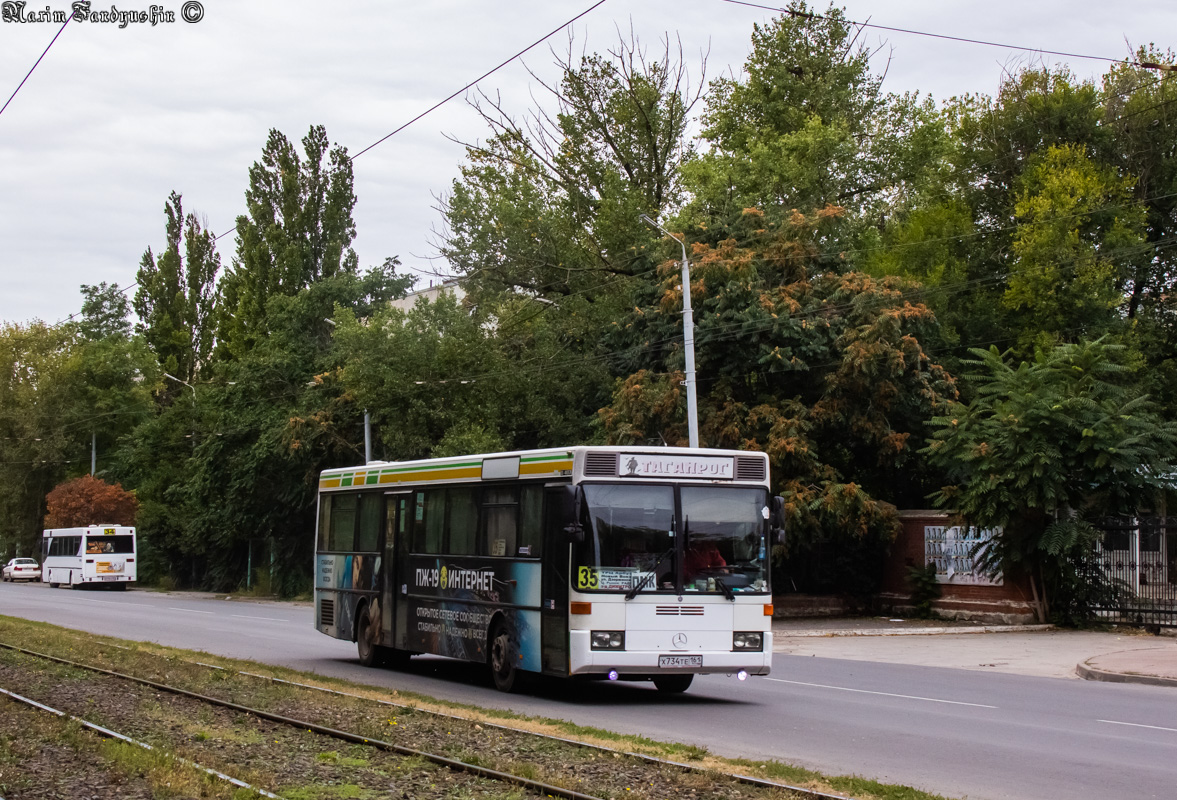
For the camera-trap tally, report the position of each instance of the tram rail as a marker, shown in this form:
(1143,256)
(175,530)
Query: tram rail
(539,787)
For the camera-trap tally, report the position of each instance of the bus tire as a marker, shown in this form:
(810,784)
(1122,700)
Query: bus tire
(503,669)
(366,633)
(53,585)
(673,684)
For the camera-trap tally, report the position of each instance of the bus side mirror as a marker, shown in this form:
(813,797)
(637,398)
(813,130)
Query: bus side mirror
(778,519)
(572,502)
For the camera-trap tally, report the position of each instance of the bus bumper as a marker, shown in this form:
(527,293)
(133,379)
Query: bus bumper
(583,660)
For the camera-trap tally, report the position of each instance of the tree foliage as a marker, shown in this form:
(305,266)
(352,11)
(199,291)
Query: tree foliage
(1065,435)
(90,501)
(175,299)
(298,230)
(808,125)
(823,371)
(848,247)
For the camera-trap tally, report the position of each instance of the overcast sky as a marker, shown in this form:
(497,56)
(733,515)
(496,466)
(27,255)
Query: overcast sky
(114,119)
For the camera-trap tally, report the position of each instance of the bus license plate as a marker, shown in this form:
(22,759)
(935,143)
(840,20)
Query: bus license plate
(680,662)
(108,577)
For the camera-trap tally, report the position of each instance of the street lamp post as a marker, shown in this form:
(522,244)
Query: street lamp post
(688,326)
(193,388)
(367,417)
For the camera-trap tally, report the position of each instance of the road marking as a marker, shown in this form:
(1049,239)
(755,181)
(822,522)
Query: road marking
(1138,725)
(189,610)
(884,694)
(246,616)
(112,602)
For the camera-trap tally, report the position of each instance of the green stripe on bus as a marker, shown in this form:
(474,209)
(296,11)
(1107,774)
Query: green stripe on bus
(421,467)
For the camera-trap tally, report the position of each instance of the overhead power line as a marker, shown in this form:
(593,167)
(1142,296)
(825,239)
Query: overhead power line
(384,138)
(485,75)
(30,72)
(966,40)
(467,87)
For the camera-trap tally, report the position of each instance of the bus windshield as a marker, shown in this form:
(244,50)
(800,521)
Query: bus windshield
(725,543)
(631,539)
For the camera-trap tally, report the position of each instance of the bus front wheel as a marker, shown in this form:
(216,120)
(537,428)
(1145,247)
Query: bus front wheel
(674,684)
(502,660)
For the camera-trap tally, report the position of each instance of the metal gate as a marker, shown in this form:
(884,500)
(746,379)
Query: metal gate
(1139,556)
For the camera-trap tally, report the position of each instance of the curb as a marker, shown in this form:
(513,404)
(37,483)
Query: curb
(914,631)
(1092,674)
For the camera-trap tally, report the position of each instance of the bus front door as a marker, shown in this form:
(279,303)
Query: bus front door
(396,520)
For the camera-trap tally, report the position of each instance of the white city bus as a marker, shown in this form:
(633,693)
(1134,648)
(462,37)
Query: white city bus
(610,562)
(95,554)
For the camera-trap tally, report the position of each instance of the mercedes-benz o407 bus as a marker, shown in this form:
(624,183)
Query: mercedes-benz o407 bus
(95,554)
(610,562)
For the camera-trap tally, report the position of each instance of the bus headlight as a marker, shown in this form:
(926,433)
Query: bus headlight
(608,640)
(748,640)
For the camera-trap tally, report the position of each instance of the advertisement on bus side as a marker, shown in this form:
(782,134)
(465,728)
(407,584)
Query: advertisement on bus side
(451,602)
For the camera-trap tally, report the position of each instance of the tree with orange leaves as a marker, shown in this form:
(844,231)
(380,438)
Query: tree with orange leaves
(824,370)
(90,501)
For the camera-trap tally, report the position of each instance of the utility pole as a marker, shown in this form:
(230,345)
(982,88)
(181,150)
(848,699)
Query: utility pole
(688,327)
(93,452)
(367,437)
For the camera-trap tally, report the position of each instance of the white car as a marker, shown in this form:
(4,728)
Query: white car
(21,569)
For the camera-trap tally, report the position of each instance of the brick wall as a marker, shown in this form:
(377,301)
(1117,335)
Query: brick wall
(1009,603)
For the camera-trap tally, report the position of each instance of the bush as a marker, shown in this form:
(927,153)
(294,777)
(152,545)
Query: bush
(925,590)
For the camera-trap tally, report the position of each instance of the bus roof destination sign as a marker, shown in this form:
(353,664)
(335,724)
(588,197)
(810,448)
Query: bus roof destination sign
(641,465)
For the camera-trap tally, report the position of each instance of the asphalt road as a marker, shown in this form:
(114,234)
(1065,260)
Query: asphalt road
(955,732)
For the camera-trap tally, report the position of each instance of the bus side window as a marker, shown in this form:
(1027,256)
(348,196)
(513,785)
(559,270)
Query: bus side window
(531,527)
(430,521)
(502,515)
(325,521)
(370,513)
(463,527)
(343,523)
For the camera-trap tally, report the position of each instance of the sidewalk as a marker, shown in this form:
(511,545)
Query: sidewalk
(1123,655)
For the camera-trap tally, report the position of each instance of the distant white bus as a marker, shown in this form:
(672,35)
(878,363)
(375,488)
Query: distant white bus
(96,554)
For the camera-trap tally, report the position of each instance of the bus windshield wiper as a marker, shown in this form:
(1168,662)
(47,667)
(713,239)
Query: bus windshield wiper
(727,592)
(632,593)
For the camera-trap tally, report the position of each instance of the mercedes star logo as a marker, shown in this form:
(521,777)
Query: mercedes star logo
(679,640)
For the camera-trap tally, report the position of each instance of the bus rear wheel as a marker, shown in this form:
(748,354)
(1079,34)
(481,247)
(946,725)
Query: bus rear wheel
(502,660)
(366,633)
(674,684)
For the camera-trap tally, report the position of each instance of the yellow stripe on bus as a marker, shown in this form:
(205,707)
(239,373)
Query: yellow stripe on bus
(545,468)
(432,476)
(474,472)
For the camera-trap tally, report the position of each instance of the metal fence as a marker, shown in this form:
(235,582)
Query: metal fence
(1139,556)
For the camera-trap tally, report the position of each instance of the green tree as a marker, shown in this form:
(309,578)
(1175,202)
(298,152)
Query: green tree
(35,447)
(109,373)
(104,312)
(1045,445)
(421,375)
(549,206)
(1078,238)
(232,467)
(808,125)
(298,229)
(175,299)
